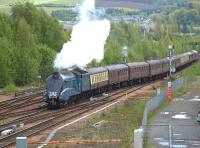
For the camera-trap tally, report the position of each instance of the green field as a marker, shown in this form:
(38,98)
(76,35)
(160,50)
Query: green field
(66,2)
(4,4)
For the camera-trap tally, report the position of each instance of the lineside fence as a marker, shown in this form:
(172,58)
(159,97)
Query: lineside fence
(157,100)
(154,103)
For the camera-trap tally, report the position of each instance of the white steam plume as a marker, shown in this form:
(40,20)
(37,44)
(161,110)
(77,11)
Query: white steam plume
(87,39)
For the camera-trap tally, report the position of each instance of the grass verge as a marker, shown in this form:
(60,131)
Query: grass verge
(119,123)
(11,88)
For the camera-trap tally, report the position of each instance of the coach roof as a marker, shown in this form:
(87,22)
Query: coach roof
(117,66)
(154,61)
(136,64)
(96,70)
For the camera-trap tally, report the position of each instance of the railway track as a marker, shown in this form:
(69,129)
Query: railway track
(20,106)
(46,124)
(28,118)
(64,115)
(21,113)
(19,99)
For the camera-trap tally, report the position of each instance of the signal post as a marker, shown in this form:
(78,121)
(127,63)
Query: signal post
(171,69)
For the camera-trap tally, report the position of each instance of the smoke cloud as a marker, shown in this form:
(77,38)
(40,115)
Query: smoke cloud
(87,39)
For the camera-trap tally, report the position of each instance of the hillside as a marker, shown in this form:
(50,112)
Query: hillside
(66,2)
(5,4)
(123,4)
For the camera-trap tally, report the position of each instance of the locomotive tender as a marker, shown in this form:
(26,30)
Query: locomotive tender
(68,87)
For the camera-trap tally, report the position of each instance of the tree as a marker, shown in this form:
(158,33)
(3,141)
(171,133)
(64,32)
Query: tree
(5,27)
(47,28)
(7,70)
(46,64)
(27,55)
(185,17)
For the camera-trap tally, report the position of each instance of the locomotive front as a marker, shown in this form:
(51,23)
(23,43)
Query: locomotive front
(53,89)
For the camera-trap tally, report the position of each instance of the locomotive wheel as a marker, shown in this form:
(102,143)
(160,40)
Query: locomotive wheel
(57,104)
(72,100)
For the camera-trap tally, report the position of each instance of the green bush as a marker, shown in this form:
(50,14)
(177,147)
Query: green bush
(10,88)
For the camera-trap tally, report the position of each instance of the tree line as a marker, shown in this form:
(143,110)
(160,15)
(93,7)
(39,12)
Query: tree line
(29,39)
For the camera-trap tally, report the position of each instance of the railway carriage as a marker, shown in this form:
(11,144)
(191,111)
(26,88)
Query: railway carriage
(193,56)
(176,62)
(155,68)
(165,66)
(181,61)
(98,79)
(138,72)
(184,59)
(118,74)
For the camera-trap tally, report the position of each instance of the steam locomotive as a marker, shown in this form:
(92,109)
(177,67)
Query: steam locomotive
(68,87)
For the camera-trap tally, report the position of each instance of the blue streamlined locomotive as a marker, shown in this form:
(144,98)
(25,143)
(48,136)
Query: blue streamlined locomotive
(61,86)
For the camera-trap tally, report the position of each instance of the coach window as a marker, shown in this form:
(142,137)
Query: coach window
(95,79)
(92,79)
(98,78)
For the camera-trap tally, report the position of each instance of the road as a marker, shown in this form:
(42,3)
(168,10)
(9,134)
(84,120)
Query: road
(177,121)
